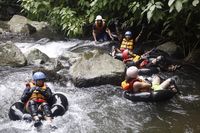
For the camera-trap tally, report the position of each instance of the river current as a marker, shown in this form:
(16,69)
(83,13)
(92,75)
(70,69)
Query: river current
(103,109)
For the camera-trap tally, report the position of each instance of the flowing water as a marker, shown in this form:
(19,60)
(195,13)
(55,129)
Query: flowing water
(103,109)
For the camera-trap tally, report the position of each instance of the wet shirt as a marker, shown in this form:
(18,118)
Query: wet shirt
(99,29)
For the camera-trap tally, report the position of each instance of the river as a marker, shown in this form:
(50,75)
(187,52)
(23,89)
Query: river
(103,109)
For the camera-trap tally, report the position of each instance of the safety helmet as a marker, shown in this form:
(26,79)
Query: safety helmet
(132,72)
(99,17)
(39,76)
(125,54)
(128,33)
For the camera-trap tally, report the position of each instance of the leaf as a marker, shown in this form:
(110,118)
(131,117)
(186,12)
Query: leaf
(195,2)
(152,1)
(178,5)
(152,8)
(159,3)
(170,33)
(93,3)
(170,2)
(158,7)
(149,15)
(91,18)
(64,27)
(149,5)
(134,9)
(125,14)
(104,2)
(171,9)
(118,6)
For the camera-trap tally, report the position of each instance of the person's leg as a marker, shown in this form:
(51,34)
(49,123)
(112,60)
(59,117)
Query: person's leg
(47,112)
(156,83)
(106,37)
(166,83)
(33,108)
(118,56)
(156,79)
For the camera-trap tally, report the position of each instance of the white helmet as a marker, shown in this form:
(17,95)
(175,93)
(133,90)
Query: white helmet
(132,72)
(99,17)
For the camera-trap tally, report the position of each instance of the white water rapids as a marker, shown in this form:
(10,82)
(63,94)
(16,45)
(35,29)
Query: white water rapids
(100,109)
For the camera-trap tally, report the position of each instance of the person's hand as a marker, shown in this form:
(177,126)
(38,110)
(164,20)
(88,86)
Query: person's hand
(97,42)
(32,90)
(38,89)
(144,56)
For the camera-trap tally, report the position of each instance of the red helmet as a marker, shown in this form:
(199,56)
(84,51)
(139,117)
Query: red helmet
(125,54)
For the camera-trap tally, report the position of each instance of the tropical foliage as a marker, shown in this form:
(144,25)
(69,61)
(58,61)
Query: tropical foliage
(8,8)
(174,19)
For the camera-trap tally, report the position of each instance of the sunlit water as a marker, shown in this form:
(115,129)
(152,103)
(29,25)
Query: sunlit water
(103,109)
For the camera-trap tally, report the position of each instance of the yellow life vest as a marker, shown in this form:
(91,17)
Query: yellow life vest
(127,44)
(135,57)
(36,95)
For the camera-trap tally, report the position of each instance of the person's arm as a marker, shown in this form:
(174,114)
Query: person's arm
(94,35)
(26,94)
(109,33)
(47,93)
(141,85)
(137,38)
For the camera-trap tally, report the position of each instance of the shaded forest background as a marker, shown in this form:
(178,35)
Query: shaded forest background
(174,20)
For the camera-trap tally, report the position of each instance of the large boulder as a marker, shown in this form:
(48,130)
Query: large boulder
(71,57)
(35,56)
(96,68)
(44,30)
(53,65)
(172,49)
(52,75)
(91,45)
(11,55)
(22,25)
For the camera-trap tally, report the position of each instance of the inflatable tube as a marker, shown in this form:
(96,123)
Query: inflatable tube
(16,111)
(148,71)
(154,96)
(58,105)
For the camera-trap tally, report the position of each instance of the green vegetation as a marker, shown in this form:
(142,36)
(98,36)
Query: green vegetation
(8,8)
(176,20)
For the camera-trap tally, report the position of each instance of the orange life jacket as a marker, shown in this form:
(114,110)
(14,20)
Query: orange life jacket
(36,95)
(127,44)
(128,86)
